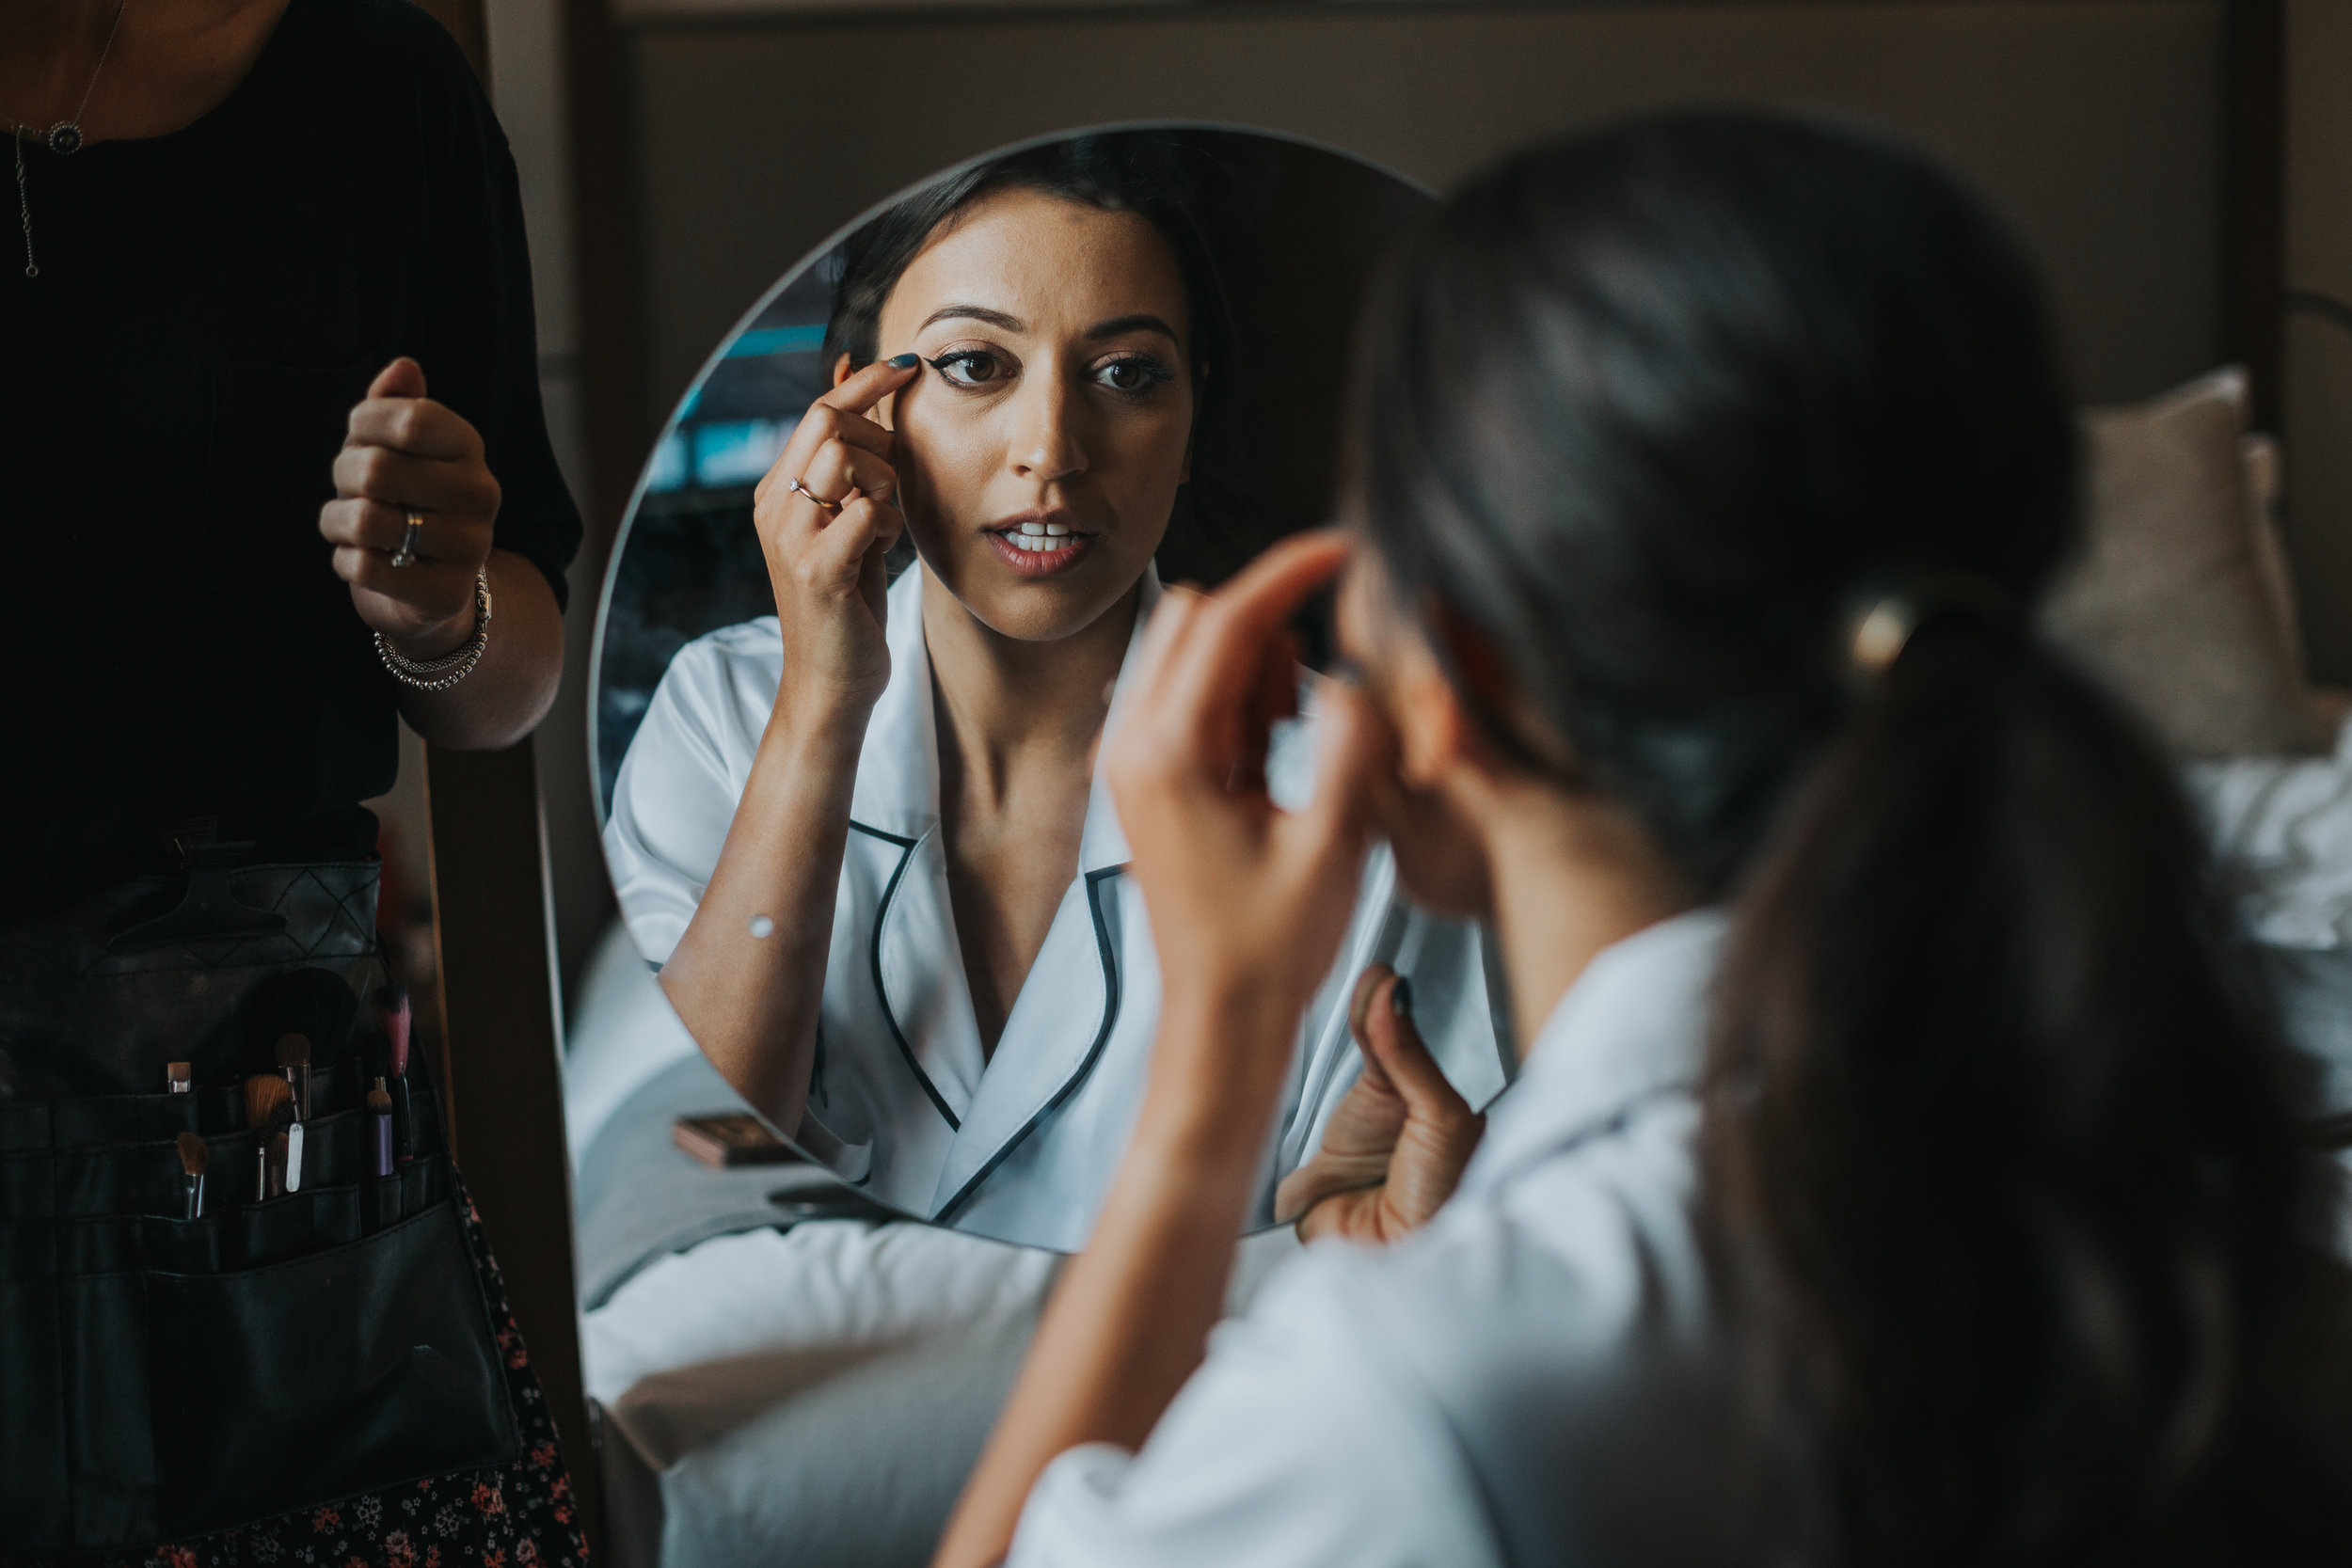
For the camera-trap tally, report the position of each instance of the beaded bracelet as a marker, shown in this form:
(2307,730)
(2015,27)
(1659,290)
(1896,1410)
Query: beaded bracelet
(439,674)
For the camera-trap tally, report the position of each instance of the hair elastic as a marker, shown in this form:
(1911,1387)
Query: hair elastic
(1884,628)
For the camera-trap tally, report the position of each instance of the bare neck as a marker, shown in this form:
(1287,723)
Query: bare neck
(170,63)
(1569,877)
(1007,706)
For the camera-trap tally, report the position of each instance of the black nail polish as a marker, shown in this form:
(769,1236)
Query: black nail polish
(1401,997)
(901,361)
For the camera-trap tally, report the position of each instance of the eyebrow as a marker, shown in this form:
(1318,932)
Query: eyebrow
(978,313)
(1138,322)
(1141,322)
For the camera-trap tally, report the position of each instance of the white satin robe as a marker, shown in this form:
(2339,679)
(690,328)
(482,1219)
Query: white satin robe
(1019,1145)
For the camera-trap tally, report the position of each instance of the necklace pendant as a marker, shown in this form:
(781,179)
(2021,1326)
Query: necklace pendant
(65,137)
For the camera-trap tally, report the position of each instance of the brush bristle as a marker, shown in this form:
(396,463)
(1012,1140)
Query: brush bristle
(179,1072)
(294,1050)
(379,1102)
(194,1155)
(263,1093)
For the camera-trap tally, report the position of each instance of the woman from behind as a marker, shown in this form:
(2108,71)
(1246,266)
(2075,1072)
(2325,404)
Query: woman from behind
(1901,1171)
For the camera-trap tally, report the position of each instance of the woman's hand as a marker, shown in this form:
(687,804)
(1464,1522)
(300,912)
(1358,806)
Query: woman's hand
(405,453)
(825,541)
(1394,1150)
(1248,901)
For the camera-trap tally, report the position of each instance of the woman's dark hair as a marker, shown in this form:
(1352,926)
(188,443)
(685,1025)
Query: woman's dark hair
(2009,1227)
(1150,174)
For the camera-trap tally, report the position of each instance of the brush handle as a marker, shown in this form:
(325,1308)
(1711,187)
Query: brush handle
(293,1157)
(404,1126)
(194,1195)
(380,1143)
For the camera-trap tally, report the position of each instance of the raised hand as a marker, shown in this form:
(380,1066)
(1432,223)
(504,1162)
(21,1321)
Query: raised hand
(406,456)
(1248,901)
(827,512)
(1394,1148)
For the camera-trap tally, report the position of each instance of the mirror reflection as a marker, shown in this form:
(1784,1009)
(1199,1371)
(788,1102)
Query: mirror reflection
(878,602)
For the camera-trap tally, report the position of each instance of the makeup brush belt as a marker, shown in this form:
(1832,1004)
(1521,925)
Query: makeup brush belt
(163,1377)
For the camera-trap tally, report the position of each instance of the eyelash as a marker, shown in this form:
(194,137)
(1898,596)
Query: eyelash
(1155,373)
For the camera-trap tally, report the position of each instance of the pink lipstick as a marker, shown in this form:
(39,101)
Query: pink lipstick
(1038,544)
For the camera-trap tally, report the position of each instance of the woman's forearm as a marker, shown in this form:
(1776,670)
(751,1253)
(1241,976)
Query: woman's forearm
(1130,1320)
(512,685)
(748,977)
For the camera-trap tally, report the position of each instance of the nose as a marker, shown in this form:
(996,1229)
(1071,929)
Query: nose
(1046,444)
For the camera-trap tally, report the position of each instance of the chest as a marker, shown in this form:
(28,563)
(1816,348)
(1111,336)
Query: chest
(1010,862)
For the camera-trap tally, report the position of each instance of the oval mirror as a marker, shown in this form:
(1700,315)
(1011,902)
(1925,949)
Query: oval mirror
(859,641)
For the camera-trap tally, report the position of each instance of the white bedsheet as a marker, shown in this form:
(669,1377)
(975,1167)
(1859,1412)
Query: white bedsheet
(2284,825)
(620,1033)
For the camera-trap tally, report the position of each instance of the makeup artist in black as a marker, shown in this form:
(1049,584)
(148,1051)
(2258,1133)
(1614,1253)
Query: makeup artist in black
(269,299)
(274,475)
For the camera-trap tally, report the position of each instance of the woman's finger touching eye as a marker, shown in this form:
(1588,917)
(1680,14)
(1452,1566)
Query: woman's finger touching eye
(973,370)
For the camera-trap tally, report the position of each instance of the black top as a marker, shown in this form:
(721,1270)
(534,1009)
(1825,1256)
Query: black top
(174,385)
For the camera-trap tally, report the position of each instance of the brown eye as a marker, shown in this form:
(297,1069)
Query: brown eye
(970,369)
(1133,375)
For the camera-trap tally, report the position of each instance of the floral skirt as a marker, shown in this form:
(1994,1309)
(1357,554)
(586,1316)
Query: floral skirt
(516,1515)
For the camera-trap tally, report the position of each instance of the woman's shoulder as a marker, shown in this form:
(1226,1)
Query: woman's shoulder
(387,70)
(1584,1243)
(1556,1330)
(401,31)
(388,40)
(751,649)
(717,691)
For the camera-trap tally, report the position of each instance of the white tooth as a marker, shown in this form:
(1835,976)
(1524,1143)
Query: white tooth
(1057,529)
(1032,543)
(1035,530)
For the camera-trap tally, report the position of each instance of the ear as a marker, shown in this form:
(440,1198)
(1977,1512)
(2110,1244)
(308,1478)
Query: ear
(842,369)
(1453,739)
(1436,735)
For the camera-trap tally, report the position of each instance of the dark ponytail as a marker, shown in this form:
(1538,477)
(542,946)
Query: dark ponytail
(1999,1152)
(2010,1231)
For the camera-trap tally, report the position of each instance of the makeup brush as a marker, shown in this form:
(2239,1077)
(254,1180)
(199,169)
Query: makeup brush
(269,1144)
(293,1059)
(391,1011)
(280,1148)
(379,1130)
(266,1099)
(263,1093)
(179,1076)
(194,1157)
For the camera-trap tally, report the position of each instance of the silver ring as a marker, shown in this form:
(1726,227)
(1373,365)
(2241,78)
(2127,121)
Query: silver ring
(833,507)
(406,554)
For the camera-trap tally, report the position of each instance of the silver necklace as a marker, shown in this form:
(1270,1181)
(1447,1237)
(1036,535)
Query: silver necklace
(63,138)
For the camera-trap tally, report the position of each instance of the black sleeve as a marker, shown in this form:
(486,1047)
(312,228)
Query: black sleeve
(481,353)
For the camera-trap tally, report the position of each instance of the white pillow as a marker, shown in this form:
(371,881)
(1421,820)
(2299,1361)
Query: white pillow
(2181,599)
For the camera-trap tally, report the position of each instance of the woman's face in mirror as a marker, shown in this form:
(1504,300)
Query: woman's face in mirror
(1040,448)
